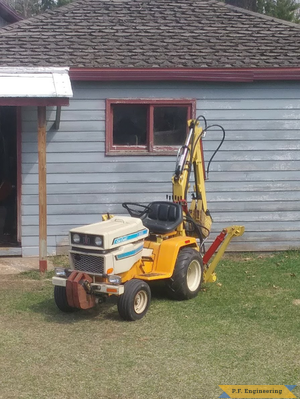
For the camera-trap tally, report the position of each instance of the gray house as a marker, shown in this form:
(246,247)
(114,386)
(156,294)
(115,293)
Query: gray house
(139,69)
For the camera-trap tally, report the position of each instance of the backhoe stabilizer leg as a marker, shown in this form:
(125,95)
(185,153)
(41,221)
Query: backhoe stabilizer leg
(224,238)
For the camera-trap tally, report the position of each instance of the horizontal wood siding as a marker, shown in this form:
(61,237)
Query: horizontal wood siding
(253,180)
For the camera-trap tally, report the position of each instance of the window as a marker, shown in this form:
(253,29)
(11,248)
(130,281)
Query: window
(147,126)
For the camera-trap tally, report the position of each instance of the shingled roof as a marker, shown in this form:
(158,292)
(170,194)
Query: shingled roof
(150,34)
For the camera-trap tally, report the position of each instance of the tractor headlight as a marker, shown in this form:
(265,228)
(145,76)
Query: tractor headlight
(60,272)
(76,238)
(98,241)
(112,279)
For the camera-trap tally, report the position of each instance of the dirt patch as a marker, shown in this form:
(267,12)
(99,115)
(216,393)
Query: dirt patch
(296,302)
(15,265)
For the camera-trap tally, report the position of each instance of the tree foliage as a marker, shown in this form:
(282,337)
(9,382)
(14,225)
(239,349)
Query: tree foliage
(282,9)
(50,4)
(29,8)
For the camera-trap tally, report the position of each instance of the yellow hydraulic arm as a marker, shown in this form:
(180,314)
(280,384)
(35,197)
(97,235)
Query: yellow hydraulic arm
(190,157)
(224,238)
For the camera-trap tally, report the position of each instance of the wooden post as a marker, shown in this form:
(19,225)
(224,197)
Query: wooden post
(42,189)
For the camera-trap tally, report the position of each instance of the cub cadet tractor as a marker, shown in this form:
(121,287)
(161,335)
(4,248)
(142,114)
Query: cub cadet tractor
(163,240)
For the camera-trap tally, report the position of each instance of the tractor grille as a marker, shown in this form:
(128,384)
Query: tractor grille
(88,263)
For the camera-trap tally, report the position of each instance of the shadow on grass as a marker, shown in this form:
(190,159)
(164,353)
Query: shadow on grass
(102,311)
(106,310)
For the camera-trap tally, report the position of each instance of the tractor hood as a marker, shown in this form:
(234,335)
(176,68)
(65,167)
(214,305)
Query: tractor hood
(114,232)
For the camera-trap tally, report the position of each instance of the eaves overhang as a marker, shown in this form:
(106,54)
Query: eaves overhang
(185,74)
(23,86)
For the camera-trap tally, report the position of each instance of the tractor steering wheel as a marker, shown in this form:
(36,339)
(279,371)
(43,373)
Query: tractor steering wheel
(136,213)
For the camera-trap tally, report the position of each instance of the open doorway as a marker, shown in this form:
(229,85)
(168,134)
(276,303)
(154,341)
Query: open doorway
(8,177)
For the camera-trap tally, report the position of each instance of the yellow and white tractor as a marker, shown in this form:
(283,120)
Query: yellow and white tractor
(164,240)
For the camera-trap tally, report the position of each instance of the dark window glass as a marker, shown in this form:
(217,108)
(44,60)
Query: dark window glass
(129,124)
(170,125)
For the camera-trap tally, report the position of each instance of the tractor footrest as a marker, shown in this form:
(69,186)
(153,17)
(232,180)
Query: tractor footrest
(153,276)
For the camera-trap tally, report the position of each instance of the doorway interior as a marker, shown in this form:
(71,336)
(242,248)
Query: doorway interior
(8,177)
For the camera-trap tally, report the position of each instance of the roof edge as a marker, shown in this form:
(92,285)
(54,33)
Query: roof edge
(185,74)
(37,82)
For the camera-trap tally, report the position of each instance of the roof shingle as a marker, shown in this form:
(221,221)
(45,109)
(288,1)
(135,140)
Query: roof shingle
(150,33)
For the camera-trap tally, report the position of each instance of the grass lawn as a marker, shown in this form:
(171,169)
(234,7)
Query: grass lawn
(244,329)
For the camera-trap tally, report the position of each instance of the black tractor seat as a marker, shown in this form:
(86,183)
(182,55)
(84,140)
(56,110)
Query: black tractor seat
(163,217)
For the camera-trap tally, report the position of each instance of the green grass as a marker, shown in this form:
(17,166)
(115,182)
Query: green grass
(244,329)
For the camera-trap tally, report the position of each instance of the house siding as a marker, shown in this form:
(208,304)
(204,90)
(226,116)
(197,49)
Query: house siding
(254,178)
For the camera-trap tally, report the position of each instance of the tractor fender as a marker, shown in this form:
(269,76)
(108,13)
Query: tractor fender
(168,252)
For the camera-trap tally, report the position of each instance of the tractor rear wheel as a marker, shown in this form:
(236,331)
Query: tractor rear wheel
(60,298)
(186,280)
(134,303)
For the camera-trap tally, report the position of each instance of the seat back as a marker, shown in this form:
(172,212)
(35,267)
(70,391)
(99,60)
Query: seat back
(163,217)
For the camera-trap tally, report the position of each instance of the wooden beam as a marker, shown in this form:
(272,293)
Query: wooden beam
(34,101)
(42,189)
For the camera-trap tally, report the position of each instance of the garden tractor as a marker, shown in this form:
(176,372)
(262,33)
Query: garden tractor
(164,240)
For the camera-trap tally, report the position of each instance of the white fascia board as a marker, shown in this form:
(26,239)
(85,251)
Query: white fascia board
(35,82)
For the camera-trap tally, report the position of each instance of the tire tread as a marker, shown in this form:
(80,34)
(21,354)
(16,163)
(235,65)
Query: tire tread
(125,301)
(60,297)
(176,286)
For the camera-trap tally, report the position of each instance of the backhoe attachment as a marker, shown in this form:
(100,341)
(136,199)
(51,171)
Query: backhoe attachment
(223,239)
(190,159)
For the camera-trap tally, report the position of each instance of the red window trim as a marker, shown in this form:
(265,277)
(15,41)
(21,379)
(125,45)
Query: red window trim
(150,149)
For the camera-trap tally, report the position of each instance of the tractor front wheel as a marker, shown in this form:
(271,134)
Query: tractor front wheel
(134,303)
(60,298)
(186,280)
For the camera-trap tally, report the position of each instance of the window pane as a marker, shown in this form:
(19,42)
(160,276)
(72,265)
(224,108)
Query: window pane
(129,124)
(170,125)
